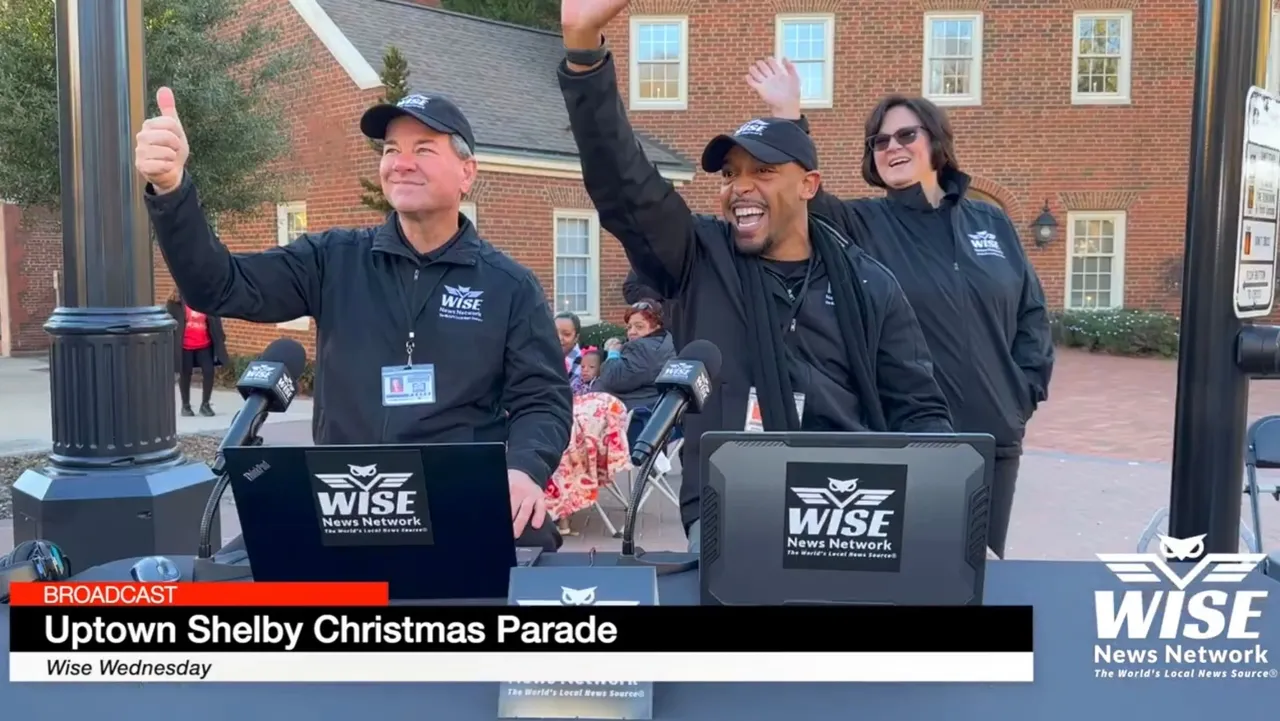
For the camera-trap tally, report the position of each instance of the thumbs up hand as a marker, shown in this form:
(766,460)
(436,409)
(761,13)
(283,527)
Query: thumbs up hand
(161,150)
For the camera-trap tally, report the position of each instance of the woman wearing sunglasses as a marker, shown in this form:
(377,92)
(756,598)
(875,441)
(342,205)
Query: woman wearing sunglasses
(959,261)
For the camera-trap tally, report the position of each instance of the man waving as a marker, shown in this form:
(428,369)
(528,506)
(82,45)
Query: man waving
(815,334)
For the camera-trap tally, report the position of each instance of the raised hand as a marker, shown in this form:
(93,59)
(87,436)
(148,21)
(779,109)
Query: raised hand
(777,82)
(161,150)
(582,20)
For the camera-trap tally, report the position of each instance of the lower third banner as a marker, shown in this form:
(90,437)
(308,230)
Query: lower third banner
(595,645)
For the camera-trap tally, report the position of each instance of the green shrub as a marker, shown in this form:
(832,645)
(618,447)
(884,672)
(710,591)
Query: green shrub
(228,374)
(1119,332)
(597,334)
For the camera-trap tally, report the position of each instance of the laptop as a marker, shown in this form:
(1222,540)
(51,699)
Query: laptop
(856,518)
(433,521)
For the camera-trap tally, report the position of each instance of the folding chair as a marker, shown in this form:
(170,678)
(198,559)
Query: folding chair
(1262,450)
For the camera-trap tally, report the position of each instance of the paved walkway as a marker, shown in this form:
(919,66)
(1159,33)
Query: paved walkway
(25,424)
(1095,472)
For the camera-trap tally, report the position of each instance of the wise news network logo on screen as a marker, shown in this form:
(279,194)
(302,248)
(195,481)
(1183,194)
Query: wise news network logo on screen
(1189,623)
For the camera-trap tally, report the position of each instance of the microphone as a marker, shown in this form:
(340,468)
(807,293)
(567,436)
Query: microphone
(685,382)
(268,386)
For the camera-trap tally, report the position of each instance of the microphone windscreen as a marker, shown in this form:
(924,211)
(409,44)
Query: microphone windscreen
(706,353)
(291,354)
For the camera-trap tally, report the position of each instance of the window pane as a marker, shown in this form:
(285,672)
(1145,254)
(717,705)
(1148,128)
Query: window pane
(658,42)
(804,41)
(573,265)
(659,80)
(1093,248)
(1099,47)
(812,80)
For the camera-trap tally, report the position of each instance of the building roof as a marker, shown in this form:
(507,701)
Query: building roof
(504,81)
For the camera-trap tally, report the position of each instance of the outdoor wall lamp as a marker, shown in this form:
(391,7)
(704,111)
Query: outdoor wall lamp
(1045,226)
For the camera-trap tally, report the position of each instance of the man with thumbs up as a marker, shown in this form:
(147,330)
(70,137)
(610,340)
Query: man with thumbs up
(425,333)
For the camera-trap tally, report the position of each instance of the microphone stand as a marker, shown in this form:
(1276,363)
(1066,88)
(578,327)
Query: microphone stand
(205,568)
(631,555)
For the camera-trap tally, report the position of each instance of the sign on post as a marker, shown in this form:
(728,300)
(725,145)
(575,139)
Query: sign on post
(1256,246)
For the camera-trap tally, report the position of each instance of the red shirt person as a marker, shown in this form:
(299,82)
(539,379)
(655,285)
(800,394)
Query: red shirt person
(201,344)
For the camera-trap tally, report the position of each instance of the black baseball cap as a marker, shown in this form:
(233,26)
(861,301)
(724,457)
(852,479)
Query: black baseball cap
(769,140)
(434,111)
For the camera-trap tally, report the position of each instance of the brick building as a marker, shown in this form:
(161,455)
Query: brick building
(1083,105)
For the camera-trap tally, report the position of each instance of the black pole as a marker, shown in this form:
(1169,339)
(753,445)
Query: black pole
(1209,428)
(116,485)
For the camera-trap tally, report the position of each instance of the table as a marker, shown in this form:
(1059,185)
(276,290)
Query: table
(1065,687)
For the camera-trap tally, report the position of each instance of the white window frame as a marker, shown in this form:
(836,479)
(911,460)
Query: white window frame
(974,96)
(468,209)
(828,22)
(678,103)
(283,210)
(592,314)
(1121,96)
(1119,219)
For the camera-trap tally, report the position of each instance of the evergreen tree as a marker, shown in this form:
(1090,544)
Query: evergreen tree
(228,82)
(544,14)
(395,85)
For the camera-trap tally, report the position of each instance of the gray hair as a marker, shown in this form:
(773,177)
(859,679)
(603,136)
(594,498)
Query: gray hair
(460,147)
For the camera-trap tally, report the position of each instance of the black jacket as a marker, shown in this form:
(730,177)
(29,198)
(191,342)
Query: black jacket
(635,290)
(691,258)
(978,299)
(216,334)
(630,376)
(478,316)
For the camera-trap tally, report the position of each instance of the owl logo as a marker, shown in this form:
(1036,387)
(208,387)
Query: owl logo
(363,478)
(1154,567)
(842,494)
(838,486)
(575,597)
(1181,549)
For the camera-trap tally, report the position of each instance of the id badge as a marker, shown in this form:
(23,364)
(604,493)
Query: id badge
(413,385)
(755,421)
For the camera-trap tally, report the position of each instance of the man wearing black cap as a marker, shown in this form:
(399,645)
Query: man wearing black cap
(815,334)
(424,331)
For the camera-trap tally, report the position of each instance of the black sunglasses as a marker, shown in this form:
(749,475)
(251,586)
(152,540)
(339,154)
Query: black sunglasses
(905,136)
(642,305)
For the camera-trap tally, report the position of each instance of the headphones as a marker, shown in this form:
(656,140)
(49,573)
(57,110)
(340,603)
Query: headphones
(32,561)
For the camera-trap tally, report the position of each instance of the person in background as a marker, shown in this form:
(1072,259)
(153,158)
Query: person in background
(630,368)
(569,328)
(960,263)
(200,342)
(592,359)
(634,290)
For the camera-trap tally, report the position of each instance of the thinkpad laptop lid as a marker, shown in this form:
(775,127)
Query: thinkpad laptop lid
(433,521)
(881,518)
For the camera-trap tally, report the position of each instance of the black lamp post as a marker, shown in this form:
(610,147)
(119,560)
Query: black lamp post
(1045,227)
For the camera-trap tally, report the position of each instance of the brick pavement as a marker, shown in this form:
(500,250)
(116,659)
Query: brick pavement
(1116,407)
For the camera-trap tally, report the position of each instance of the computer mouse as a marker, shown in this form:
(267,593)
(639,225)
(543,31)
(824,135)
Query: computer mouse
(155,569)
